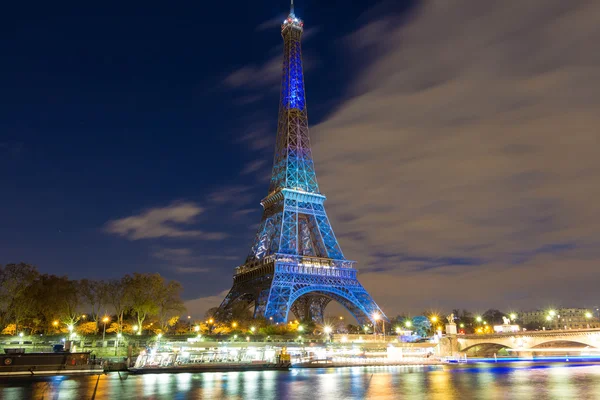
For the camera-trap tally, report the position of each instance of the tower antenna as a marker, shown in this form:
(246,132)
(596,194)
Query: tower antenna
(292,8)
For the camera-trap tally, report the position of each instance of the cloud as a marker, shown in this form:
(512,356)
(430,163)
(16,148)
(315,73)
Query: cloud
(256,76)
(201,305)
(466,150)
(187,256)
(254,166)
(169,221)
(258,138)
(235,195)
(266,75)
(272,23)
(191,270)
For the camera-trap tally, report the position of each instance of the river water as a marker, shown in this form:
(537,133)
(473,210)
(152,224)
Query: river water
(447,382)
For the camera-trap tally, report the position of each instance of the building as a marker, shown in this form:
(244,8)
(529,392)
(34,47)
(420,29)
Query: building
(561,318)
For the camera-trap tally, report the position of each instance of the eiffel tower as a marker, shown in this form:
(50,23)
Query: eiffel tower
(296,263)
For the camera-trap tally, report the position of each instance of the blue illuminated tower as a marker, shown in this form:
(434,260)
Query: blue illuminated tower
(295,263)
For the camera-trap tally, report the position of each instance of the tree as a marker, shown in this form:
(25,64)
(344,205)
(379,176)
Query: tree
(94,293)
(56,298)
(116,292)
(16,301)
(169,302)
(493,316)
(141,292)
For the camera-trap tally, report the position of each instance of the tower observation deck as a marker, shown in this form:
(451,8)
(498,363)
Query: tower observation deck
(295,262)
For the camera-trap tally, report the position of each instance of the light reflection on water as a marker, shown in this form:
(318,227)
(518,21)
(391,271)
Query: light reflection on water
(344,383)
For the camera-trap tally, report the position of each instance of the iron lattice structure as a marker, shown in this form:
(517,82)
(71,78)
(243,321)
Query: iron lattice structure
(295,263)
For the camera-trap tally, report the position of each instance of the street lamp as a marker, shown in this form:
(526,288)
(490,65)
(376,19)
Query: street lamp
(300,328)
(408,324)
(104,320)
(434,319)
(513,316)
(552,313)
(234,325)
(197,328)
(478,319)
(117,343)
(252,329)
(398,330)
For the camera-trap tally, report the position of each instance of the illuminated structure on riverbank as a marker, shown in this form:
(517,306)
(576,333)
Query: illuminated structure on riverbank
(296,263)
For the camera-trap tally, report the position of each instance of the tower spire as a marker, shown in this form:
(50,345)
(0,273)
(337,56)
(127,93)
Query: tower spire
(292,8)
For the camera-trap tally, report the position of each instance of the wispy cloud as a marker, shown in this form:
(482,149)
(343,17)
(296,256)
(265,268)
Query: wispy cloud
(258,139)
(254,166)
(254,76)
(170,221)
(272,23)
(481,146)
(236,195)
(191,270)
(201,305)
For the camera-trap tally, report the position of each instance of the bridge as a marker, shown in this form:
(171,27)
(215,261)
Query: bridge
(524,343)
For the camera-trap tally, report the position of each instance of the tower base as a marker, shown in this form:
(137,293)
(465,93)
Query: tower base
(288,284)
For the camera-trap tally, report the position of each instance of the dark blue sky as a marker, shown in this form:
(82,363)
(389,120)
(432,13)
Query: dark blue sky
(109,111)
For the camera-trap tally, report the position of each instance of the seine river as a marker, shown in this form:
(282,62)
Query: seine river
(580,382)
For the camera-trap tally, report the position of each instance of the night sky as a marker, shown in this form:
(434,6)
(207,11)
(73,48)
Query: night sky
(457,142)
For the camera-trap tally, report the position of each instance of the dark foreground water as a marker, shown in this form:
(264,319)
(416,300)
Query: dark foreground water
(344,383)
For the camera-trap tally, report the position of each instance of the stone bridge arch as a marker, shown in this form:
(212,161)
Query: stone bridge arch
(530,341)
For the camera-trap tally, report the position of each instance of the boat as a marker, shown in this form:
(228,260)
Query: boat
(15,363)
(212,367)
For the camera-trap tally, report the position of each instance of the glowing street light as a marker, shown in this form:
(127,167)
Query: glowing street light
(588,315)
(398,330)
(478,319)
(300,328)
(55,323)
(513,316)
(104,320)
(20,334)
(434,318)
(252,329)
(408,324)
(197,328)
(211,321)
(552,313)
(234,325)
(548,318)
